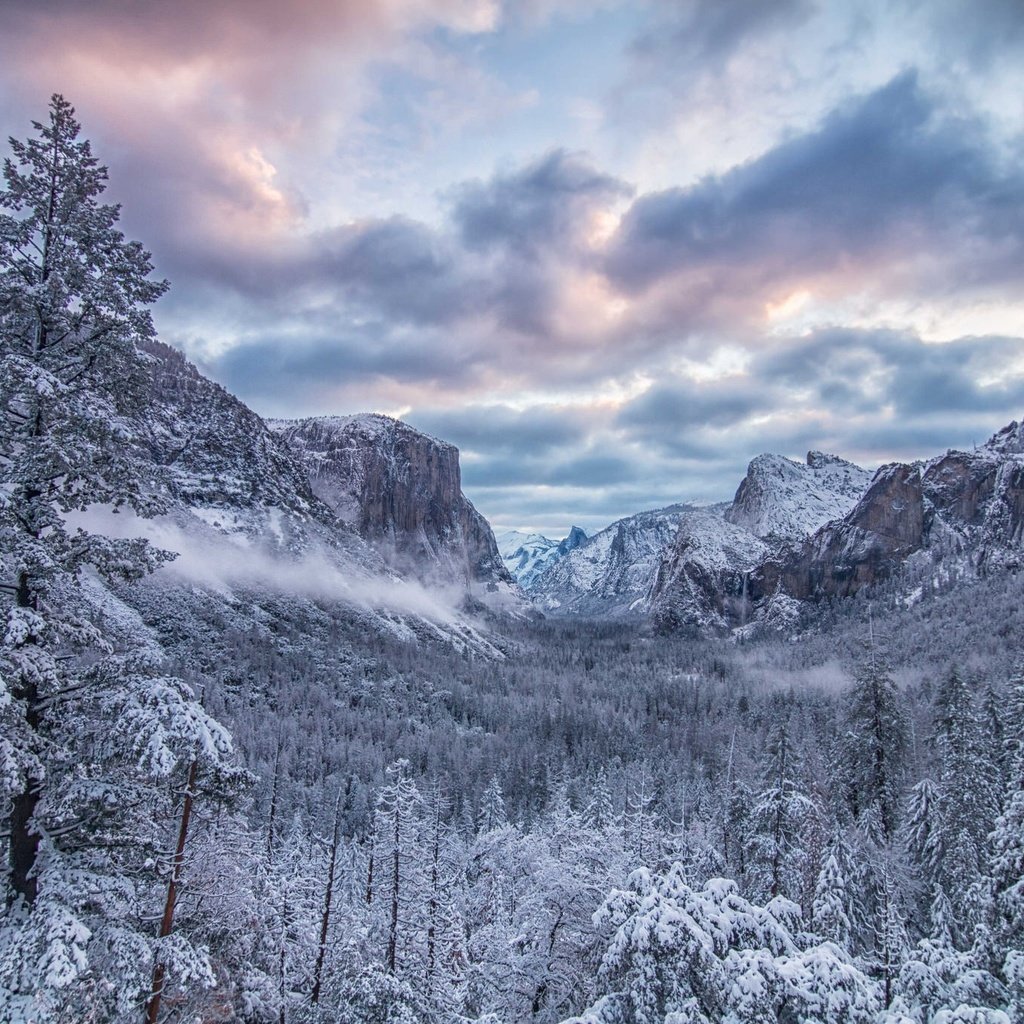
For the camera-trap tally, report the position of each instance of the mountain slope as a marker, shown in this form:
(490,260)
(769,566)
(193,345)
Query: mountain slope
(702,578)
(250,531)
(963,511)
(780,499)
(528,555)
(610,573)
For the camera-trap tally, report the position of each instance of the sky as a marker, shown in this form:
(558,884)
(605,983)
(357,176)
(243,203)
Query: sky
(611,250)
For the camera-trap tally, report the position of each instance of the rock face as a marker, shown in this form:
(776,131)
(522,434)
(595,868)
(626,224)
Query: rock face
(612,572)
(401,491)
(869,544)
(702,582)
(226,472)
(965,509)
(528,555)
(780,499)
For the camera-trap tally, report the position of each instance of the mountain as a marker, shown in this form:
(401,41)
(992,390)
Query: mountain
(828,530)
(688,566)
(401,491)
(781,499)
(702,579)
(611,572)
(528,555)
(961,513)
(251,530)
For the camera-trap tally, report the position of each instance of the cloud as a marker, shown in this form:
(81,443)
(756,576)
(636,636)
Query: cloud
(537,209)
(387,206)
(885,182)
(692,37)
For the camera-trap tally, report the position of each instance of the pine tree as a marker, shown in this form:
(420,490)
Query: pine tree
(829,911)
(492,807)
(779,818)
(97,745)
(399,867)
(876,741)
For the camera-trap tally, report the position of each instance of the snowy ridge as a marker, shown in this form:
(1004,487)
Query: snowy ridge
(702,579)
(782,499)
(528,555)
(249,527)
(612,572)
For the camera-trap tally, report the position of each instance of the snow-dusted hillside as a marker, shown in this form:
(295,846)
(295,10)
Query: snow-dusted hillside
(528,555)
(702,579)
(782,499)
(688,565)
(960,514)
(612,572)
(249,529)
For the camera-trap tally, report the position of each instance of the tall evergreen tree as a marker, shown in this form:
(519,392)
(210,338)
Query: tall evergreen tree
(97,744)
(876,741)
(779,820)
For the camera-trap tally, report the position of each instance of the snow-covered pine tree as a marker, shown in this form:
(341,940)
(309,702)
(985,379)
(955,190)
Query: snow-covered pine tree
(829,917)
(96,744)
(874,751)
(780,814)
(968,790)
(399,866)
(492,807)
(922,836)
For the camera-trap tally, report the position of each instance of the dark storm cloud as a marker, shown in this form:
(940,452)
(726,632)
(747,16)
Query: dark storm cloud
(883,177)
(397,266)
(535,209)
(685,404)
(866,371)
(308,364)
(980,30)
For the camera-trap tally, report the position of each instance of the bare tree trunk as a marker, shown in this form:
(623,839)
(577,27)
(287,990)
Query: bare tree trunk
(325,917)
(434,903)
(167,923)
(273,801)
(23,843)
(393,926)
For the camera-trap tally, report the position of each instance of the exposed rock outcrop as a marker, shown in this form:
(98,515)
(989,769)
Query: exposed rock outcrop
(961,507)
(780,499)
(401,491)
(702,582)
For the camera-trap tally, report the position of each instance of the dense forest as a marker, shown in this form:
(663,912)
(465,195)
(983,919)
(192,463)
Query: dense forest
(288,817)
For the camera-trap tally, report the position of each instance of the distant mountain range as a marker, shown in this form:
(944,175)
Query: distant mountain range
(370,513)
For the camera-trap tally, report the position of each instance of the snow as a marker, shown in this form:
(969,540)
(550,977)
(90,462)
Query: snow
(613,570)
(528,555)
(783,499)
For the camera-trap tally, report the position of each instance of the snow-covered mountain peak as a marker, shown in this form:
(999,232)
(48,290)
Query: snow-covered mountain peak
(528,555)
(784,499)
(1008,441)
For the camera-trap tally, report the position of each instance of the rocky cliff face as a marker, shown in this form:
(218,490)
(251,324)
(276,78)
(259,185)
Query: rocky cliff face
(401,491)
(830,530)
(702,581)
(961,508)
